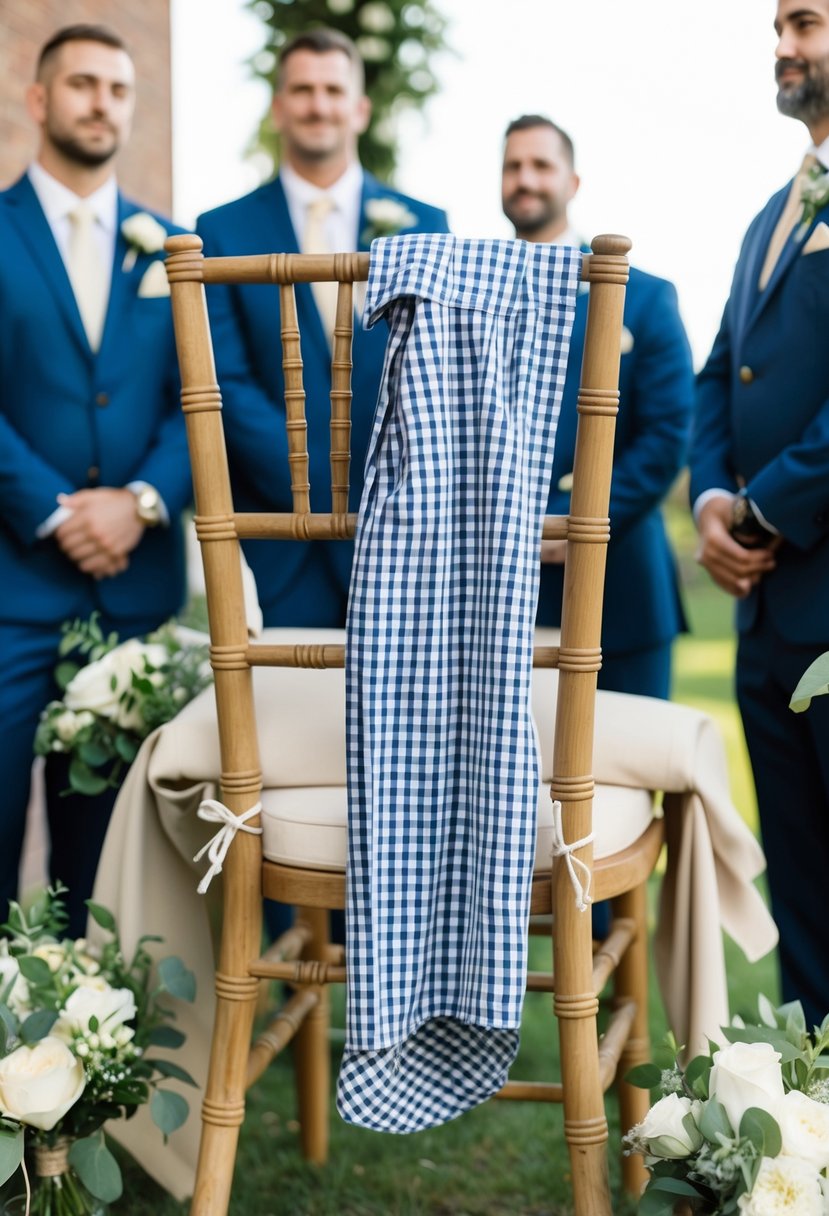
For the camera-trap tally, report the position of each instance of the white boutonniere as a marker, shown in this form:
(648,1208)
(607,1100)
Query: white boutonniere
(386,217)
(814,195)
(143,234)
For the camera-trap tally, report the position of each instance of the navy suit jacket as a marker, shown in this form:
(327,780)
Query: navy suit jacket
(71,418)
(642,606)
(762,420)
(245,327)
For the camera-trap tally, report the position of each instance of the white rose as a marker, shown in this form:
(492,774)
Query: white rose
(663,1129)
(145,232)
(94,997)
(66,725)
(744,1075)
(804,1126)
(785,1186)
(39,1084)
(100,686)
(388,213)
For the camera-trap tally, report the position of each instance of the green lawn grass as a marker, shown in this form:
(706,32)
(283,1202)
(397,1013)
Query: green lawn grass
(504,1159)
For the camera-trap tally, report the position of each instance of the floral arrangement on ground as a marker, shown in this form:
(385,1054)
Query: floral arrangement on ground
(115,694)
(743,1129)
(78,1025)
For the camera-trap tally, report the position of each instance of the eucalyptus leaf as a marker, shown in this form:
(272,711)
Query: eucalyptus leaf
(714,1122)
(64,674)
(101,915)
(126,747)
(779,1040)
(813,683)
(37,1025)
(94,754)
(168,1069)
(34,970)
(644,1076)
(168,1110)
(166,1036)
(97,1168)
(758,1126)
(176,979)
(83,780)
(11,1150)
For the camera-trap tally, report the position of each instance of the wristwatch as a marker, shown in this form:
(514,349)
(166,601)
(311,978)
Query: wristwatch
(746,526)
(148,506)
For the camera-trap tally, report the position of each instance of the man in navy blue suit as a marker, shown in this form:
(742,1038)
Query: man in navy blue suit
(760,492)
(93,457)
(321,199)
(642,607)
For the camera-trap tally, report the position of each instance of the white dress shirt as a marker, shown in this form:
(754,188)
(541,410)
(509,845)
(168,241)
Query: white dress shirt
(343,220)
(58,202)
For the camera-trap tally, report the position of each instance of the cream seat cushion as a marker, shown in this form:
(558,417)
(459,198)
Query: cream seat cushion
(301,718)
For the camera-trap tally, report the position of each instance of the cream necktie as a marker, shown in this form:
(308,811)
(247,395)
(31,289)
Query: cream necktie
(85,268)
(315,240)
(788,218)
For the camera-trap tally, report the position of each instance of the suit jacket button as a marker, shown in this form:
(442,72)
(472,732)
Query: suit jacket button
(93,473)
(746,375)
(102,399)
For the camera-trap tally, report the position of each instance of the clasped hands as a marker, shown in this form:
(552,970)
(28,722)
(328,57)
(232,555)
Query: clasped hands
(731,565)
(102,530)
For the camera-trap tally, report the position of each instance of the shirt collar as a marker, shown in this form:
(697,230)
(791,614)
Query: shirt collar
(568,237)
(344,192)
(58,200)
(821,151)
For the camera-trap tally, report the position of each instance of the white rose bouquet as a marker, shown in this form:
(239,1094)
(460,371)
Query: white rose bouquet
(743,1129)
(78,1023)
(115,694)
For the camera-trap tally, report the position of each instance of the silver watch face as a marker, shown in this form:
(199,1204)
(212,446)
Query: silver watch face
(147,505)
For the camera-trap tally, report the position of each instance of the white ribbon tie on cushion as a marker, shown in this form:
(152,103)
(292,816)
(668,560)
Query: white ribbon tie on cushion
(217,846)
(575,865)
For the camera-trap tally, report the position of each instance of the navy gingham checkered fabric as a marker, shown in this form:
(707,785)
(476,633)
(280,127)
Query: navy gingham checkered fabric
(442,755)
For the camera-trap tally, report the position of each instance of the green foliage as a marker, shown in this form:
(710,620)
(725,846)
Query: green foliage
(97,1168)
(395,38)
(102,1009)
(689,1140)
(116,696)
(813,683)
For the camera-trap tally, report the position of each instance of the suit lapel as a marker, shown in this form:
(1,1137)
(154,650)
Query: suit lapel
(27,216)
(123,285)
(789,253)
(279,233)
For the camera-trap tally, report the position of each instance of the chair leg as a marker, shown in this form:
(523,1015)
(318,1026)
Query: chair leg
(631,980)
(312,1059)
(223,1109)
(585,1122)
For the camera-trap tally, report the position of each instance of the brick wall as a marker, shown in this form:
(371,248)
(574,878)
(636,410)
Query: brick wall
(145,165)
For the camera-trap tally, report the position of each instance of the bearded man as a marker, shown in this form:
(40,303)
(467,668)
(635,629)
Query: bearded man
(760,493)
(93,455)
(642,606)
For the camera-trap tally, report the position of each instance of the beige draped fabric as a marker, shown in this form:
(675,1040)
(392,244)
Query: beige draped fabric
(147,879)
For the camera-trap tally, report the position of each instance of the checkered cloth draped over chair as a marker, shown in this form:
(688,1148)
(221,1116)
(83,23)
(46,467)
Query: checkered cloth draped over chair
(443,770)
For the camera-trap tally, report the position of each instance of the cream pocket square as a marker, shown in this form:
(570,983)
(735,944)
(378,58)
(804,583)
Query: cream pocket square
(154,283)
(818,240)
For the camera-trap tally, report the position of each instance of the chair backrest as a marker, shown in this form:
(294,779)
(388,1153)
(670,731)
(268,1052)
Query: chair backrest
(220,527)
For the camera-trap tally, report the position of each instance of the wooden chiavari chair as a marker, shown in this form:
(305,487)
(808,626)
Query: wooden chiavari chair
(303,958)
